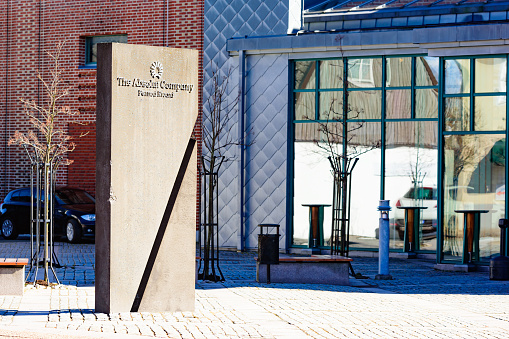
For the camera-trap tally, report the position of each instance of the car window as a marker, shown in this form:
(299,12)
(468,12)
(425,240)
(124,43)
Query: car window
(72,196)
(15,196)
(422,193)
(24,195)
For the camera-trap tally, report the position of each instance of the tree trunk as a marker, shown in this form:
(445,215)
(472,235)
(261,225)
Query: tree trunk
(209,224)
(46,218)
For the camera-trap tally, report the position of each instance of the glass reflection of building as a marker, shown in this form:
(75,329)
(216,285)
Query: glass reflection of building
(420,88)
(387,111)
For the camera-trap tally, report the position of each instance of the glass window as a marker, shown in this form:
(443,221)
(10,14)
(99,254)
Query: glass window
(457,114)
(91,46)
(426,71)
(399,72)
(474,178)
(457,76)
(331,105)
(365,185)
(331,73)
(411,146)
(312,180)
(73,197)
(364,104)
(426,103)
(490,113)
(411,162)
(398,104)
(305,75)
(24,195)
(16,196)
(490,75)
(364,73)
(304,105)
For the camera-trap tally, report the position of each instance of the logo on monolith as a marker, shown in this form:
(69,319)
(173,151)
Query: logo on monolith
(156,70)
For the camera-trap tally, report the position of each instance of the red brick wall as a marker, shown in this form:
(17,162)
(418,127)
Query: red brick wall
(29,28)
(81,173)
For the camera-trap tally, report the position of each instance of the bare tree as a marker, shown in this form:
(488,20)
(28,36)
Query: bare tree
(49,142)
(218,138)
(340,142)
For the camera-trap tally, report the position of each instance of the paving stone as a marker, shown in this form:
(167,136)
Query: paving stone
(419,302)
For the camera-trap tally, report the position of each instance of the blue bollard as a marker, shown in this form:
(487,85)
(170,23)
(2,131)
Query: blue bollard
(383,242)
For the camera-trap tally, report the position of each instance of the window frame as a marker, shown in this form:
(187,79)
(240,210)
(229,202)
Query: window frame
(92,40)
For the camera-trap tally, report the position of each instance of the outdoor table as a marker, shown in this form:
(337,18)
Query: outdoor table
(471,230)
(412,218)
(316,223)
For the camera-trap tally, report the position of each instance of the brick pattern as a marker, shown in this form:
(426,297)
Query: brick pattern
(81,173)
(29,28)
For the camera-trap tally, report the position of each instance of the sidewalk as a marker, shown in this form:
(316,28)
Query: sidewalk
(419,303)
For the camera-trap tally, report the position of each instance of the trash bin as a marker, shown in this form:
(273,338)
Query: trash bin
(499,266)
(268,245)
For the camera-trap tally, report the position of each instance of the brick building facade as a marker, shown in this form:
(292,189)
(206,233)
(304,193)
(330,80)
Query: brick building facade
(30,28)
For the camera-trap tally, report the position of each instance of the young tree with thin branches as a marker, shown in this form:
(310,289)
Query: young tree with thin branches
(48,143)
(218,138)
(340,143)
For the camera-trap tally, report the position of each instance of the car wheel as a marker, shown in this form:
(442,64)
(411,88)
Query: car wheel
(9,229)
(73,231)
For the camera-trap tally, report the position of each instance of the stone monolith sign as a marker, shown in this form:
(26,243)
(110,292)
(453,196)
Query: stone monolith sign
(147,105)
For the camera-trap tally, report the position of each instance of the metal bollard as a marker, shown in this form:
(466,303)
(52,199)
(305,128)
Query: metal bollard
(383,242)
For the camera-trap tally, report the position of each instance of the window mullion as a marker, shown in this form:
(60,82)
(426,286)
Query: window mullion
(472,103)
(412,91)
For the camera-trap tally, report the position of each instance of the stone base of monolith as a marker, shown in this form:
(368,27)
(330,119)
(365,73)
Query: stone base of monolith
(147,105)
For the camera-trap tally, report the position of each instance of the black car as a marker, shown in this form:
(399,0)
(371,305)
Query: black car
(74,213)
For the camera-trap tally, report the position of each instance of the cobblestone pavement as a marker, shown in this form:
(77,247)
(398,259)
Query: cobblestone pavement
(419,302)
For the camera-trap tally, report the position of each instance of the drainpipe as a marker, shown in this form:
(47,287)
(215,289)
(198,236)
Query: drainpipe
(6,117)
(241,111)
(39,58)
(167,23)
(302,15)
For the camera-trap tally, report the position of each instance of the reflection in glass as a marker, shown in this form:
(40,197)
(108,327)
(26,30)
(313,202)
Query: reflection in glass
(304,105)
(364,73)
(331,105)
(426,103)
(364,104)
(411,178)
(313,180)
(331,74)
(474,178)
(365,189)
(398,104)
(457,114)
(457,76)
(490,75)
(490,113)
(305,72)
(399,72)
(426,71)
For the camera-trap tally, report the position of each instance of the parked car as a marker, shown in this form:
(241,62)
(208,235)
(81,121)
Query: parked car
(418,196)
(74,214)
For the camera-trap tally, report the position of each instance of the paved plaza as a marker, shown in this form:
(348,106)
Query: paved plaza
(419,302)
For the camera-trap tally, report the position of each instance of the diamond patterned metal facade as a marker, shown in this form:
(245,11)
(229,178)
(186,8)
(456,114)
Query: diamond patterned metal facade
(266,99)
